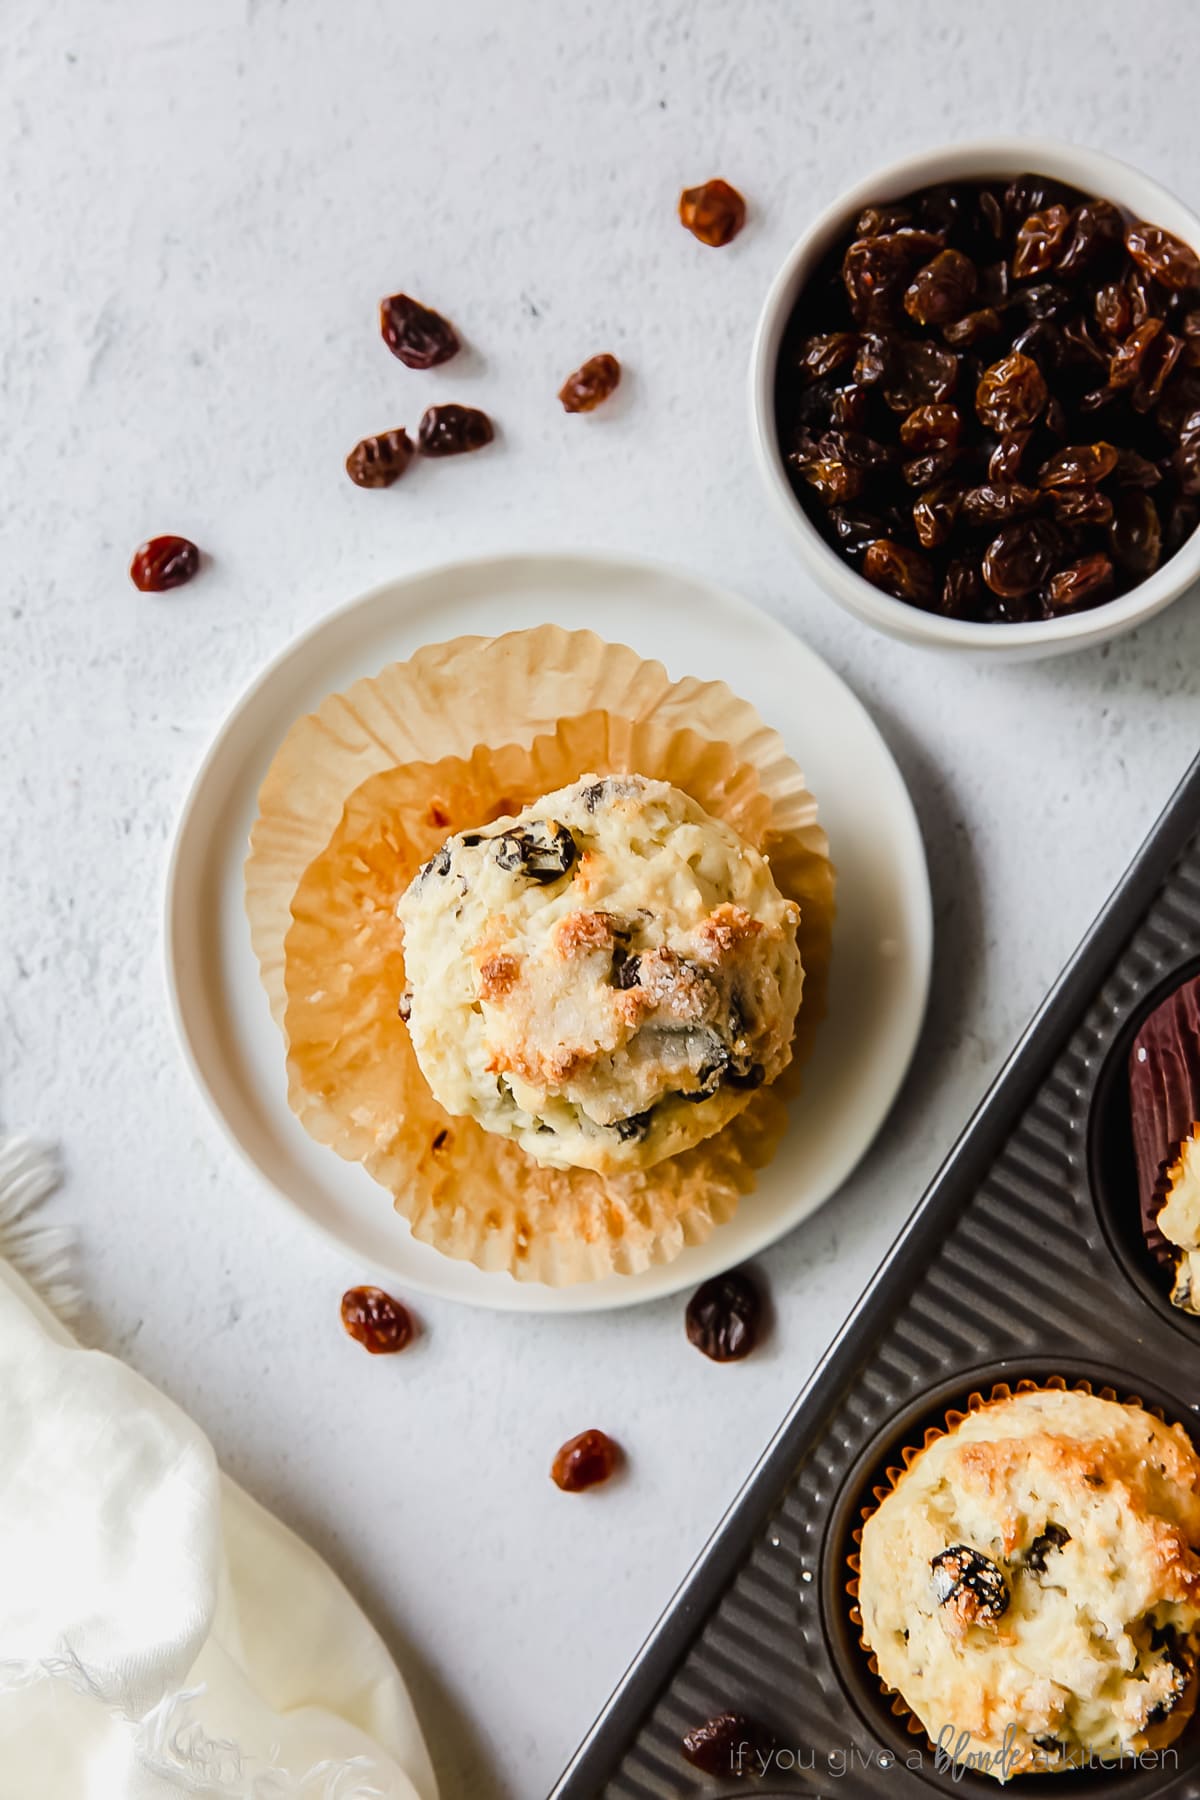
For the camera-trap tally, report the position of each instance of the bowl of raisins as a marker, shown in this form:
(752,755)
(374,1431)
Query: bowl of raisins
(975,390)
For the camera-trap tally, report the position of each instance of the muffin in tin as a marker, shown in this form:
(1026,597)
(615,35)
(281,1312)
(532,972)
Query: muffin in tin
(1030,1587)
(605,978)
(1164,1107)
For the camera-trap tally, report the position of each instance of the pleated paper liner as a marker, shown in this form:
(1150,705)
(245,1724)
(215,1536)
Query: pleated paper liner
(435,717)
(446,700)
(1155,1739)
(355,1081)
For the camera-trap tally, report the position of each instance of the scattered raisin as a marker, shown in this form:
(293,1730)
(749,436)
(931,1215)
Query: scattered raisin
(730,1745)
(449,430)
(713,212)
(1039,241)
(375,462)
(420,337)
(591,384)
(163,562)
(584,1462)
(723,1317)
(382,1325)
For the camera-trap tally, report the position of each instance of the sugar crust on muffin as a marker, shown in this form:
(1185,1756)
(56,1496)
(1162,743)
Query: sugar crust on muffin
(605,977)
(1031,1586)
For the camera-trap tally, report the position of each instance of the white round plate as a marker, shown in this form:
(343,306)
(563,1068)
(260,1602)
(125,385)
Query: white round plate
(882,936)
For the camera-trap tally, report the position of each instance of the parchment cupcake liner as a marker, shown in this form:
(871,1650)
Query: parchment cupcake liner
(1157,1738)
(331,952)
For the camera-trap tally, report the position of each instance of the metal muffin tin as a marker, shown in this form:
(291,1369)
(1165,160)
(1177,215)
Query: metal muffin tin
(1023,1260)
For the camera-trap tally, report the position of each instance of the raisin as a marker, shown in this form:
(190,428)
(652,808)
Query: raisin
(627,971)
(970,1585)
(1078,465)
(376,1321)
(451,429)
(972,328)
(713,212)
(1179,1661)
(1135,470)
(1081,506)
(1051,1537)
(420,337)
(995,503)
(541,852)
(941,291)
(931,428)
(963,592)
(1080,583)
(835,481)
(899,571)
(730,1745)
(1145,359)
(585,1461)
(1095,239)
(1031,193)
(163,562)
(1020,557)
(820,356)
(1078,347)
(375,462)
(921,374)
(1039,240)
(877,219)
(1164,257)
(752,1076)
(1135,535)
(934,513)
(924,471)
(723,1317)
(633,1129)
(1004,463)
(591,384)
(1186,462)
(854,530)
(1011,393)
(1183,516)
(876,270)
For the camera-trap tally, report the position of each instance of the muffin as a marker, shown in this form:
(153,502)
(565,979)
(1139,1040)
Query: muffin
(1031,1586)
(1164,1106)
(465,739)
(604,978)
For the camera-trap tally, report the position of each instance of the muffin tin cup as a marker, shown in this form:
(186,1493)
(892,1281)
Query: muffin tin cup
(1022,1263)
(877,1472)
(1111,1170)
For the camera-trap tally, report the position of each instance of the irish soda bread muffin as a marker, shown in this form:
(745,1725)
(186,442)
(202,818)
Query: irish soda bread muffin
(1034,1573)
(605,978)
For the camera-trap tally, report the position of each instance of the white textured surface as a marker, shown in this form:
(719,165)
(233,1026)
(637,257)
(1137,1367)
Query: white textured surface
(200,207)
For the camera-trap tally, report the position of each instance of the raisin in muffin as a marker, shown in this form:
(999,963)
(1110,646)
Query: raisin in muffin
(606,977)
(1031,1586)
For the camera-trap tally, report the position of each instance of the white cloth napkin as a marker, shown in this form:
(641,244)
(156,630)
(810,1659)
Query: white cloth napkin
(160,1633)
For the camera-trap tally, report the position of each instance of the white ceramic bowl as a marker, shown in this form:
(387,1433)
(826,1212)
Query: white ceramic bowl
(993,158)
